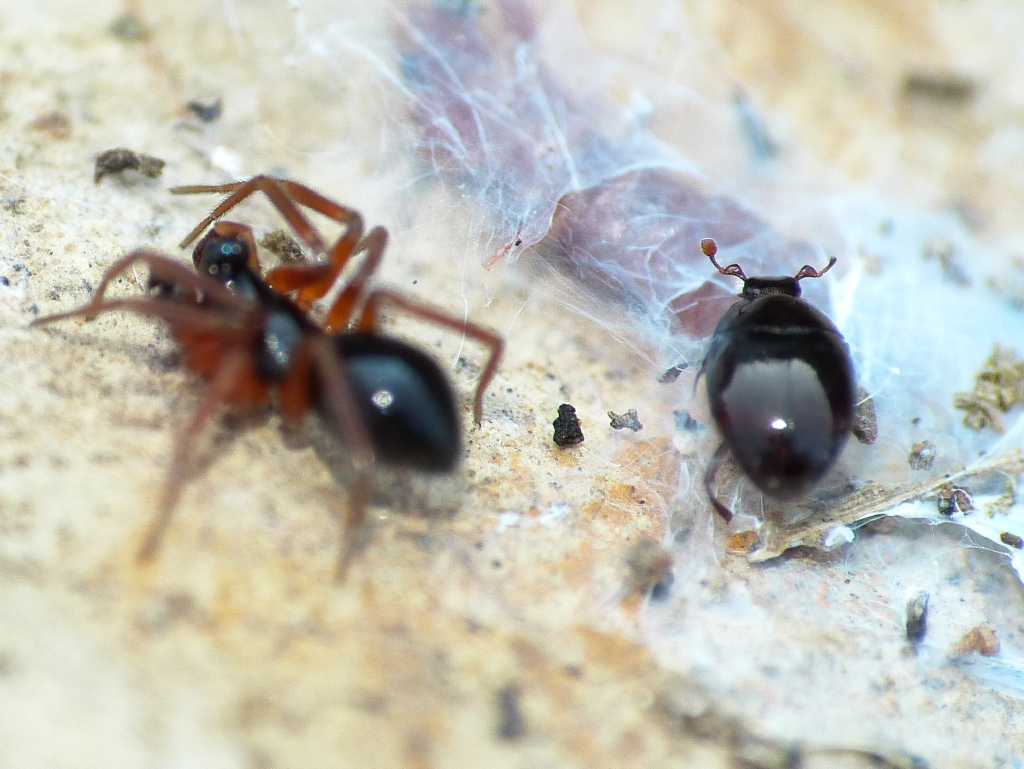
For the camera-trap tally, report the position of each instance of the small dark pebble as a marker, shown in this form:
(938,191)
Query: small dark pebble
(1011,539)
(567,427)
(661,590)
(120,159)
(573,671)
(511,724)
(948,88)
(672,374)
(4,281)
(207,109)
(627,421)
(917,617)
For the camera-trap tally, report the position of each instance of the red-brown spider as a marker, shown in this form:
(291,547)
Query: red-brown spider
(389,401)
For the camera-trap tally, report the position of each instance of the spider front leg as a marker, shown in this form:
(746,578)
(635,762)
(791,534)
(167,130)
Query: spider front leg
(312,281)
(239,191)
(340,314)
(369,319)
(167,270)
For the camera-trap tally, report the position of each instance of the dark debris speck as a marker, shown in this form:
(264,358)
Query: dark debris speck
(511,723)
(948,88)
(998,387)
(671,374)
(119,159)
(917,617)
(627,421)
(661,590)
(283,245)
(207,109)
(944,252)
(567,427)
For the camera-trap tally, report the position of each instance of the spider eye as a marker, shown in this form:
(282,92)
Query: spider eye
(221,256)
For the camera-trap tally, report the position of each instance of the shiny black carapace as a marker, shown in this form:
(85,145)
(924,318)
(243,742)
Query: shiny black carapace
(780,384)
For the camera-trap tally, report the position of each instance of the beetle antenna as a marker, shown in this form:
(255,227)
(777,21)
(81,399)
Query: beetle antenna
(809,272)
(710,249)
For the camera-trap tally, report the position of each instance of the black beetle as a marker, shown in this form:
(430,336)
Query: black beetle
(780,384)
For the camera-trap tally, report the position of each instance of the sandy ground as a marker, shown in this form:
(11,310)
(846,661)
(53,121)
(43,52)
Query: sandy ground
(495,619)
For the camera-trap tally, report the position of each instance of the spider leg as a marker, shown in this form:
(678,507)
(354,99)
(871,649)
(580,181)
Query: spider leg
(314,281)
(344,410)
(179,316)
(219,392)
(369,319)
(160,266)
(709,478)
(311,280)
(295,393)
(341,311)
(239,191)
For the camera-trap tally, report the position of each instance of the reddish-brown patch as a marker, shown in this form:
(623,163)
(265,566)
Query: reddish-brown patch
(741,543)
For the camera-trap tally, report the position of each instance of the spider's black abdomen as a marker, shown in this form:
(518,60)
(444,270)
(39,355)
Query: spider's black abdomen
(781,388)
(405,401)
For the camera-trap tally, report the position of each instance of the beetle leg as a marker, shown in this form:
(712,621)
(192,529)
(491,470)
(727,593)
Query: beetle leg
(709,478)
